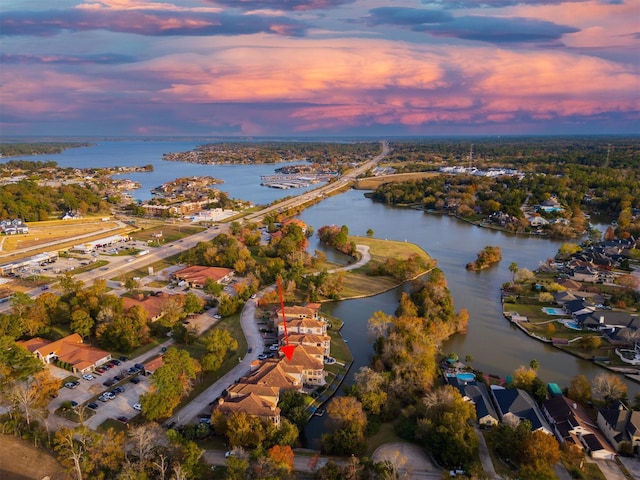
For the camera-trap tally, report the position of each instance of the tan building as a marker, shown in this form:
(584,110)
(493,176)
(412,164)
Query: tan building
(154,305)
(196,275)
(252,405)
(83,358)
(311,340)
(304,326)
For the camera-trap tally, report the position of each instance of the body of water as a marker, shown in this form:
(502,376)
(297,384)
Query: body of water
(240,181)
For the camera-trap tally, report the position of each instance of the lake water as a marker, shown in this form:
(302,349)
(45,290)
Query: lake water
(495,345)
(240,181)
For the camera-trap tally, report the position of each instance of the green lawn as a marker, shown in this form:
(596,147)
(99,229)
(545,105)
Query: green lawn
(385,434)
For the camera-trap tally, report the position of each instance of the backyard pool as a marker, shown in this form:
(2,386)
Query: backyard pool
(570,324)
(553,311)
(467,377)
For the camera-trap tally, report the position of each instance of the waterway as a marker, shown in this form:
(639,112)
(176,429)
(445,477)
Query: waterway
(494,344)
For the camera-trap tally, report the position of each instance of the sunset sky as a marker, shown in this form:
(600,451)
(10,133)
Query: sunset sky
(319,67)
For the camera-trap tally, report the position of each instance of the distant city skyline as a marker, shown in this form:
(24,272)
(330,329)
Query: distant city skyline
(329,68)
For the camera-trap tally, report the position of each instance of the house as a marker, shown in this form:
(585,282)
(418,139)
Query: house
(311,360)
(196,276)
(476,393)
(71,350)
(13,227)
(252,405)
(515,404)
(578,307)
(571,424)
(620,425)
(585,274)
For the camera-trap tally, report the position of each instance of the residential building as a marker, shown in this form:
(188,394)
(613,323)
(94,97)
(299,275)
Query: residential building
(571,424)
(252,405)
(516,404)
(310,340)
(620,425)
(154,305)
(476,393)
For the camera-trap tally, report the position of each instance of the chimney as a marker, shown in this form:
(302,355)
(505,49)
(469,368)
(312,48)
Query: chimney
(601,320)
(220,401)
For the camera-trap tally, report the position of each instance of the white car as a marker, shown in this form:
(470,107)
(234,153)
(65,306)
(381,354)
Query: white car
(88,376)
(137,406)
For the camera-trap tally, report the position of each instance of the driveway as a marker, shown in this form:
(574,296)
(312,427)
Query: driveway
(408,459)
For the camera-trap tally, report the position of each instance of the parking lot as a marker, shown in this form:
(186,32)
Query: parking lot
(88,391)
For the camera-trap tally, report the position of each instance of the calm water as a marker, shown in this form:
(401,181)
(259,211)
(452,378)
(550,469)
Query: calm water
(496,346)
(240,181)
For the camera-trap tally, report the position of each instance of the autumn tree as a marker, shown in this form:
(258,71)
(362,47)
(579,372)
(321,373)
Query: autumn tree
(282,457)
(370,389)
(610,387)
(347,422)
(580,389)
(32,395)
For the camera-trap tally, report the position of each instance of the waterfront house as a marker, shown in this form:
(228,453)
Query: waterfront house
(476,393)
(71,350)
(620,425)
(304,326)
(321,341)
(578,307)
(571,424)
(515,404)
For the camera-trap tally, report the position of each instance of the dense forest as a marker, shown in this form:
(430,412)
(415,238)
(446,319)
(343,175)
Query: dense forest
(38,148)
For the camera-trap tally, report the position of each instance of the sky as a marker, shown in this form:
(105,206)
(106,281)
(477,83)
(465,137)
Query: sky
(319,67)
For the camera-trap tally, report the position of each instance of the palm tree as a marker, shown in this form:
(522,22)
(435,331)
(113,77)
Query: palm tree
(513,268)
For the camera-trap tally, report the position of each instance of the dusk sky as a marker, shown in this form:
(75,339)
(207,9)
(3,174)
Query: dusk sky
(319,67)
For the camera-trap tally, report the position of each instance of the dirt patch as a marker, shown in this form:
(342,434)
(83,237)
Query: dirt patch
(20,460)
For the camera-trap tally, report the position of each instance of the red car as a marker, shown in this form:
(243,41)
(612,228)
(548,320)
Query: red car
(123,419)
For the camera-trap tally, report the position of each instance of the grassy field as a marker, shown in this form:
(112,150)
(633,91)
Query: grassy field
(371,183)
(358,283)
(63,233)
(168,232)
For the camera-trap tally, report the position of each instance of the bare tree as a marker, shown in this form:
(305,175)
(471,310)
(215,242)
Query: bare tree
(609,387)
(161,465)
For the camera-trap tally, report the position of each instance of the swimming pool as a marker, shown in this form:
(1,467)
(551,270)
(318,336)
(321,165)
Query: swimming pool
(553,311)
(570,324)
(467,377)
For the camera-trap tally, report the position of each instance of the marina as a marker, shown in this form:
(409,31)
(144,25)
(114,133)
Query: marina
(287,181)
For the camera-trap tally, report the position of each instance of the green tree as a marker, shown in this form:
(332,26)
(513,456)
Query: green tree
(369,232)
(170,382)
(213,288)
(81,323)
(445,428)
(218,343)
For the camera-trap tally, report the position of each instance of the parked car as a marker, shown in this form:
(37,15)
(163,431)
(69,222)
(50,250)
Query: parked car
(101,369)
(123,419)
(117,378)
(119,389)
(137,406)
(139,366)
(108,383)
(124,359)
(88,376)
(115,362)
(262,356)
(71,385)
(92,405)
(135,380)
(104,398)
(74,404)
